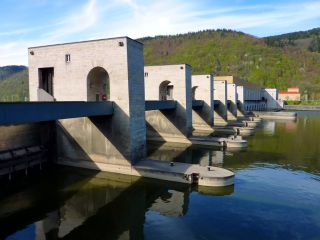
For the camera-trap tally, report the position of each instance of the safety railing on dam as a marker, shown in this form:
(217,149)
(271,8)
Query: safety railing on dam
(160,105)
(217,103)
(197,103)
(30,112)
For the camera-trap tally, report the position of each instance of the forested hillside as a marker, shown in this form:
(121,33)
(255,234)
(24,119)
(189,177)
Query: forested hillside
(225,52)
(8,71)
(220,52)
(15,86)
(306,40)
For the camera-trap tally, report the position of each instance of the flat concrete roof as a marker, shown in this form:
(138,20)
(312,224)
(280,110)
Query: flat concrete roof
(208,75)
(85,41)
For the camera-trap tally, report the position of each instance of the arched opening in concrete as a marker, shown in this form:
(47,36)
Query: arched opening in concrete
(98,88)
(165,91)
(194,92)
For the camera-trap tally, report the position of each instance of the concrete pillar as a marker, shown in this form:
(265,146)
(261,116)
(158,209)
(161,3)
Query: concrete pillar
(220,98)
(118,139)
(169,125)
(232,101)
(202,86)
(240,101)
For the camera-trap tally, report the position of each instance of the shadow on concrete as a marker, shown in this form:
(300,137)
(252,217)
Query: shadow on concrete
(220,112)
(168,123)
(205,114)
(232,110)
(102,139)
(241,111)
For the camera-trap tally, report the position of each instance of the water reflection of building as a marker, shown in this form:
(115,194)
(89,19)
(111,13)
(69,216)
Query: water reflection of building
(171,203)
(114,213)
(212,158)
(291,126)
(269,127)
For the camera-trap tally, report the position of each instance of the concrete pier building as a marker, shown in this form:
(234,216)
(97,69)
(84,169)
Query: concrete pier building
(101,70)
(165,83)
(202,89)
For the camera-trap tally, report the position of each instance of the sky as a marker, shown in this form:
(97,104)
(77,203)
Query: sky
(31,23)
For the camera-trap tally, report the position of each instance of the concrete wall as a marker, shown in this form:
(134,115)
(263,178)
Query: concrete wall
(271,95)
(26,135)
(253,99)
(118,139)
(169,124)
(240,101)
(252,94)
(232,99)
(220,94)
(203,117)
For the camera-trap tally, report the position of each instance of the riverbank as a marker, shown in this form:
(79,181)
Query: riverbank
(301,108)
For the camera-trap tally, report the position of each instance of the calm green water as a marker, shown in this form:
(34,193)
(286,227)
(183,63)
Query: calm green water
(276,195)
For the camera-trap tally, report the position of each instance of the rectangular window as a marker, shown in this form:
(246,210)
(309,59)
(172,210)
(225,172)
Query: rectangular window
(68,58)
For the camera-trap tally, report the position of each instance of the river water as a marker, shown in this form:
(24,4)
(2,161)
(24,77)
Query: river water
(276,195)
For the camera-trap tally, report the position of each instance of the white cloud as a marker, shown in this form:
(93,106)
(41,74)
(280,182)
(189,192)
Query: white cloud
(78,21)
(170,17)
(138,18)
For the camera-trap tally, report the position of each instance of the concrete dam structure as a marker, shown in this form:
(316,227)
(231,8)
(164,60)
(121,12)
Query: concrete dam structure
(94,105)
(173,82)
(163,83)
(212,118)
(108,76)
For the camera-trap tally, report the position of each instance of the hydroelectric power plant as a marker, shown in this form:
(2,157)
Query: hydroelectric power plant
(113,143)
(94,105)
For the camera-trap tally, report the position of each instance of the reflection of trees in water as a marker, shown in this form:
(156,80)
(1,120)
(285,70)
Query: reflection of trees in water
(291,144)
(294,145)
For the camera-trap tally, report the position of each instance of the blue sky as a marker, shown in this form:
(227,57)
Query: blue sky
(38,22)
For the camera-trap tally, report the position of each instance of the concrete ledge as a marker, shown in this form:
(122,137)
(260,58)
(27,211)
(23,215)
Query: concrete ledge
(233,130)
(236,123)
(276,115)
(172,139)
(207,141)
(301,108)
(252,124)
(230,142)
(175,172)
(246,131)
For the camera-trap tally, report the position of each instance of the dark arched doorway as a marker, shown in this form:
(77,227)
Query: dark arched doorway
(98,88)
(165,91)
(194,92)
